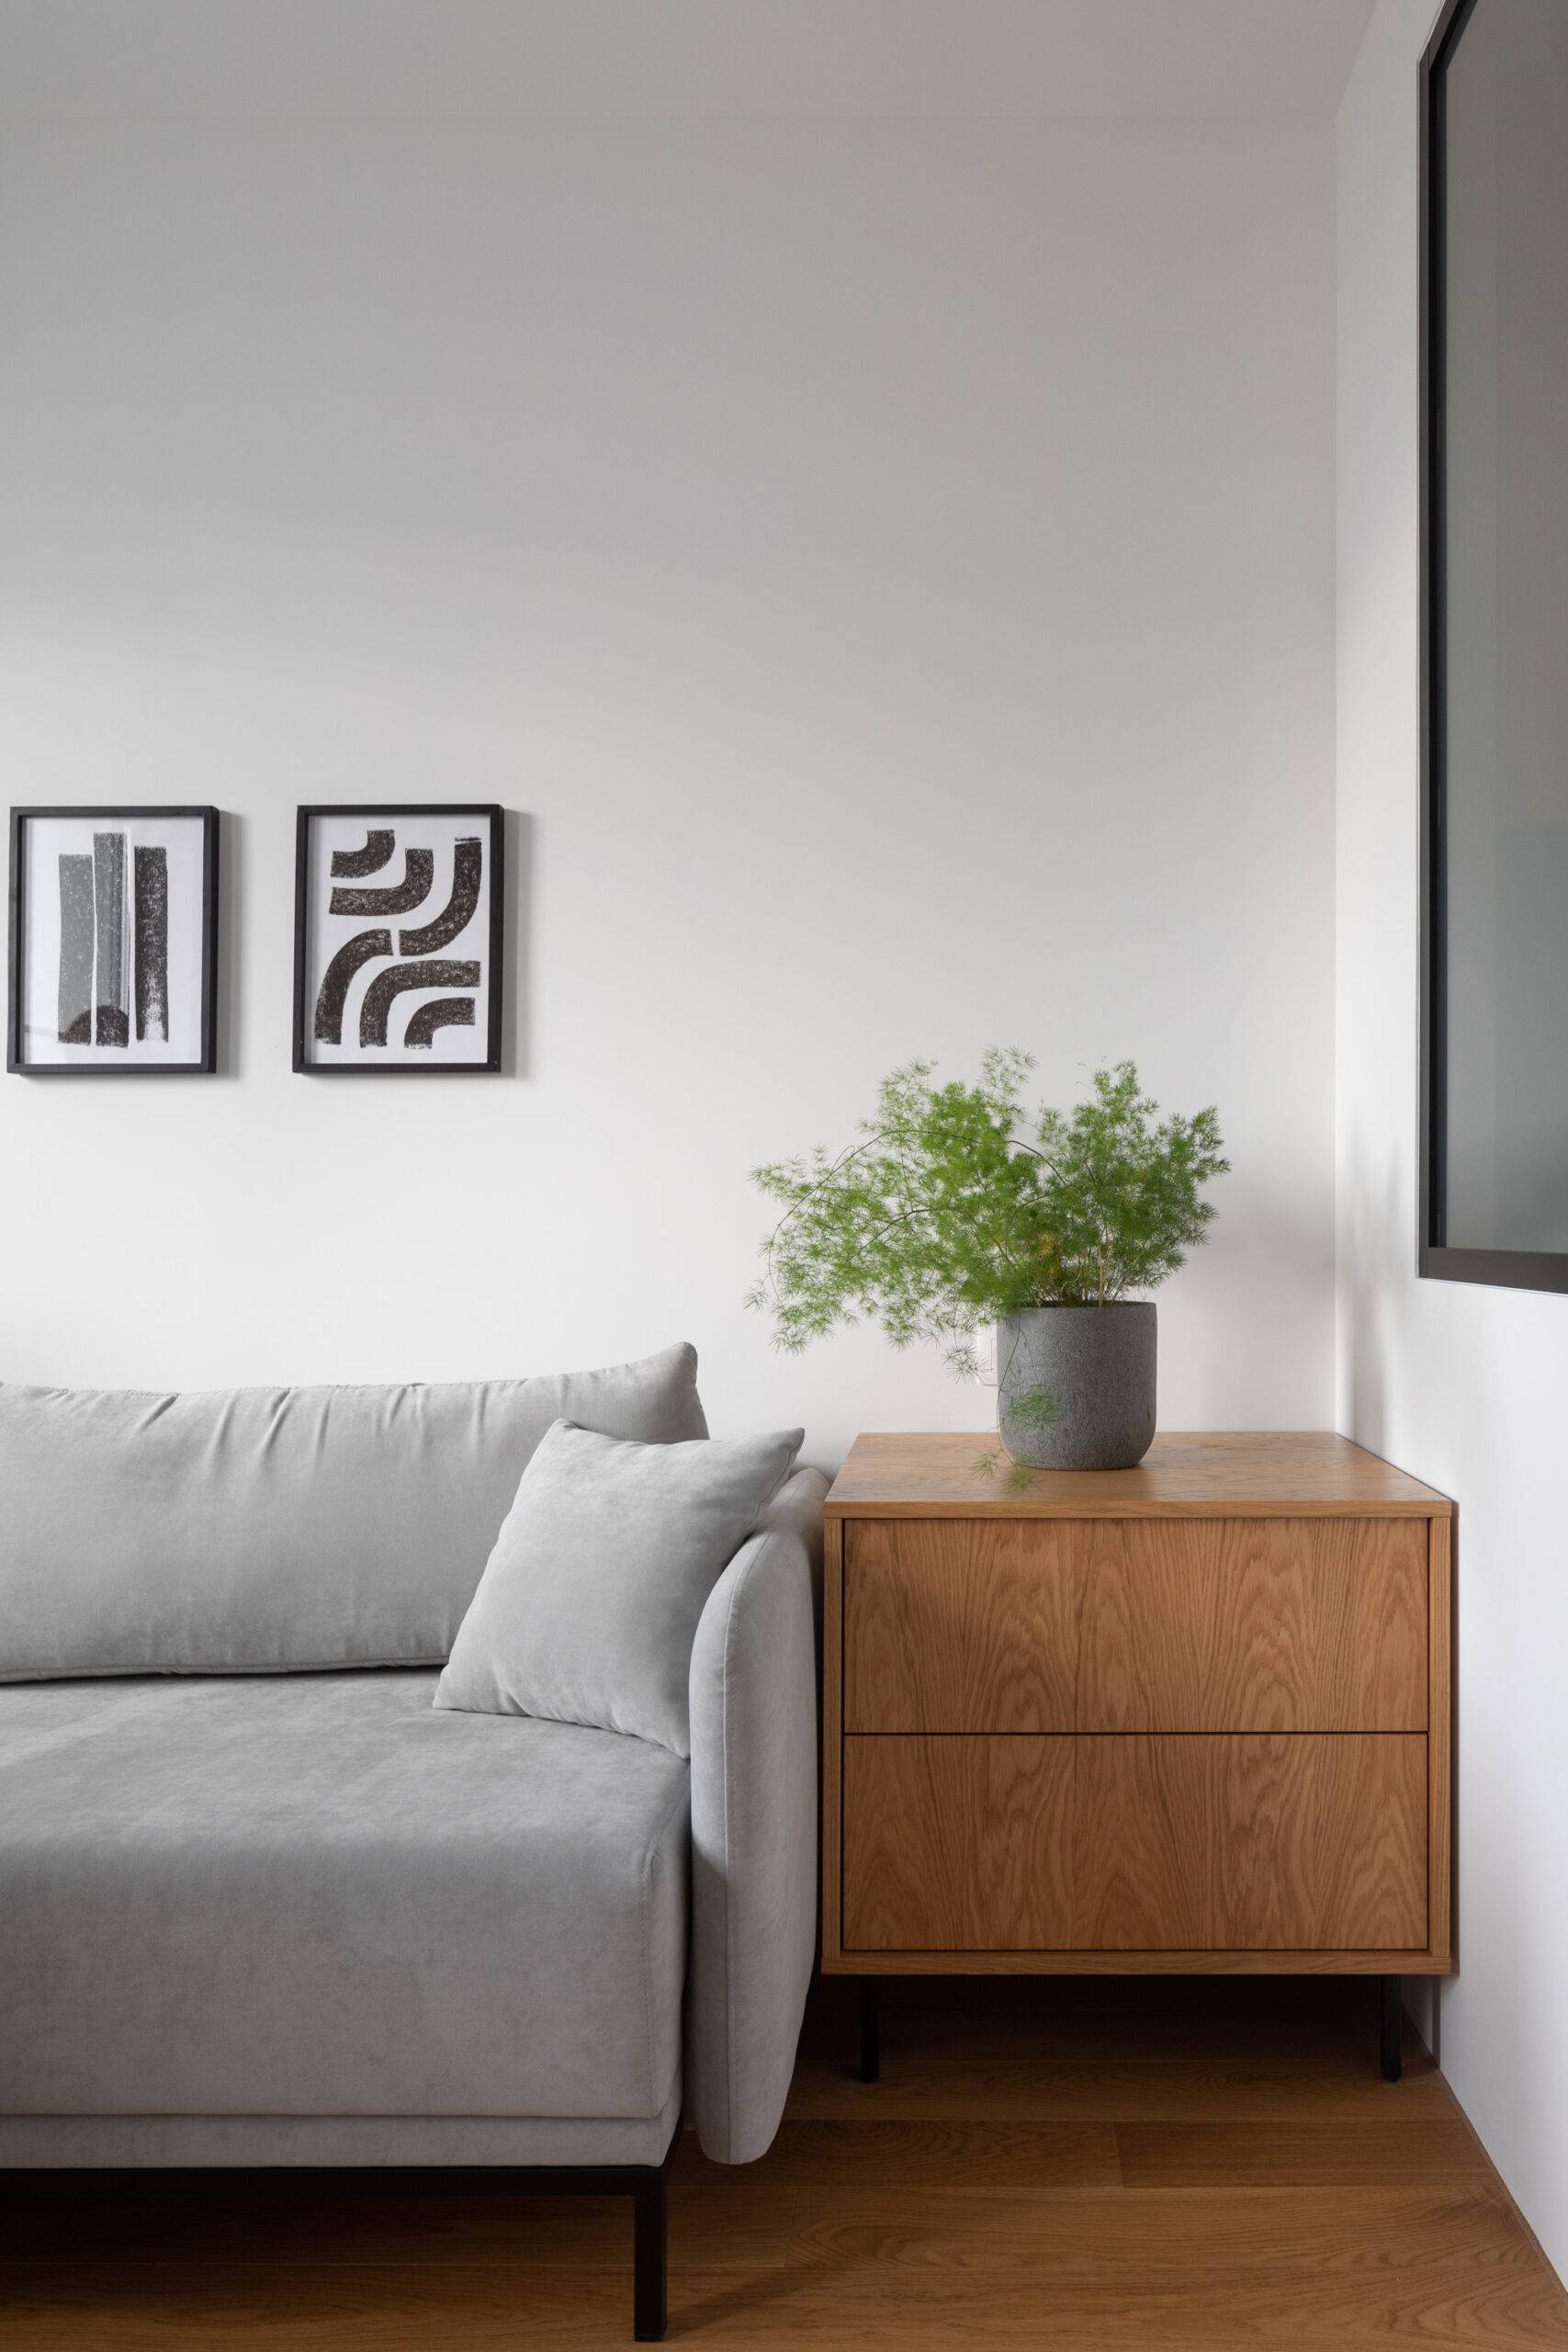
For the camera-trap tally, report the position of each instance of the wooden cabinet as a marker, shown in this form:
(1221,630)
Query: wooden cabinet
(1190,1716)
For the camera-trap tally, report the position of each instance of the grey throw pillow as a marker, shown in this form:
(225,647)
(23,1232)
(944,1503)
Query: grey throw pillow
(588,1607)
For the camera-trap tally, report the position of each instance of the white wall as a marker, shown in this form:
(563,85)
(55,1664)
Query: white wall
(890,570)
(1464,1386)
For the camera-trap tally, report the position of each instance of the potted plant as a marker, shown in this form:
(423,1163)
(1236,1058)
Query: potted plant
(947,1216)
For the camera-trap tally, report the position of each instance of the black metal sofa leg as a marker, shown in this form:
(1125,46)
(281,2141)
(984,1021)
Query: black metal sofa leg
(649,2232)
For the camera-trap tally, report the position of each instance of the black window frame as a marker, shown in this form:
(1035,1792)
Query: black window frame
(1509,1269)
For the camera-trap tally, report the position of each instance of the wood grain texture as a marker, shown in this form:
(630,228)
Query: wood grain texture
(1415,1960)
(845,2303)
(1250,1841)
(1186,1625)
(957,1844)
(833,1739)
(1203,1474)
(1135,1845)
(1439,1750)
(932,2154)
(1304,2153)
(1347,2219)
(1252,1624)
(961,1625)
(1180,2240)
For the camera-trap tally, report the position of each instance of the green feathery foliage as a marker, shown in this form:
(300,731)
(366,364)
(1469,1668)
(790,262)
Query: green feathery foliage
(944,1217)
(1032,1408)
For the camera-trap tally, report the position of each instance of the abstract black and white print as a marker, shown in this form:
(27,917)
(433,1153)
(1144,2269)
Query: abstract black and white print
(111,957)
(398,939)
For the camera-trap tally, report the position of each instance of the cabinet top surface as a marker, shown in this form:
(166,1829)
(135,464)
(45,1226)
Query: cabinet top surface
(1197,1474)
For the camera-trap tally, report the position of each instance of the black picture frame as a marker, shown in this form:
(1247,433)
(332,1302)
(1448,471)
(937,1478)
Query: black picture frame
(206,1065)
(493,817)
(1436,1261)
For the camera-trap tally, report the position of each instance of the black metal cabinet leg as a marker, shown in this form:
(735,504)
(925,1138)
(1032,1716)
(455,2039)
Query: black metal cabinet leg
(870,2030)
(1392,2010)
(649,2311)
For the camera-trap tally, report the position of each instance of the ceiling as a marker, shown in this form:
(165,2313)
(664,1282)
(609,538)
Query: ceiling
(894,59)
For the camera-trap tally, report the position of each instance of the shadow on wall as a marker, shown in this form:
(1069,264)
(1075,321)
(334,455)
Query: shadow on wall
(1381,1224)
(230,830)
(1418,1340)
(1379,1250)
(515,996)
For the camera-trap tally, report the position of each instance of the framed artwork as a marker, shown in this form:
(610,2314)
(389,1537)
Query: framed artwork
(113,943)
(398,924)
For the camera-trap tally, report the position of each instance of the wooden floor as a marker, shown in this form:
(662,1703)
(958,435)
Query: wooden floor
(1175,2167)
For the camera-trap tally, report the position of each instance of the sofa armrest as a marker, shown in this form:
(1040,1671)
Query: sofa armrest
(754,1824)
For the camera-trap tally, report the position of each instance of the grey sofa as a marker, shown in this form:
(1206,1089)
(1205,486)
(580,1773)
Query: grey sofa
(255,1915)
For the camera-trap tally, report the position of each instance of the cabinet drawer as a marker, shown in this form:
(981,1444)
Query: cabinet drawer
(1136,1625)
(1250,1842)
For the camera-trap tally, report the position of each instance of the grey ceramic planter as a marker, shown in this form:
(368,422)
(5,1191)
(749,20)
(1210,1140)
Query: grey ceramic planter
(1098,1365)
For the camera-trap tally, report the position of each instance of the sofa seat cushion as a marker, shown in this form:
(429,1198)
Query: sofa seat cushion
(317,1894)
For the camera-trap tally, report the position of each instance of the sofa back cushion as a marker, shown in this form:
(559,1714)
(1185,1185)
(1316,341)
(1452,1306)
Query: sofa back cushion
(252,1529)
